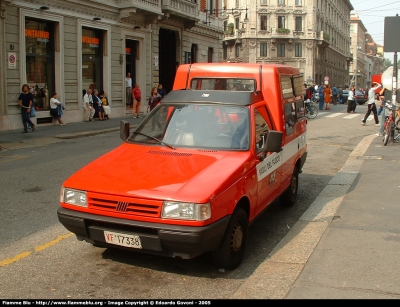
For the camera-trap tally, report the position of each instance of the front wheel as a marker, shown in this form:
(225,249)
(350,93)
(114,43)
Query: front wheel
(289,197)
(312,112)
(387,134)
(231,250)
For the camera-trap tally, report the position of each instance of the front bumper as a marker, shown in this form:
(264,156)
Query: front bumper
(169,240)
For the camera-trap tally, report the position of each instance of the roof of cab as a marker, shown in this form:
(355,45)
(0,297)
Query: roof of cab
(186,72)
(212,96)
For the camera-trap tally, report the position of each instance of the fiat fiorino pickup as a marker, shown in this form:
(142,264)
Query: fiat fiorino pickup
(226,142)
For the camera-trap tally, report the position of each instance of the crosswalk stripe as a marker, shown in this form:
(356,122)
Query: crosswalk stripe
(334,115)
(351,116)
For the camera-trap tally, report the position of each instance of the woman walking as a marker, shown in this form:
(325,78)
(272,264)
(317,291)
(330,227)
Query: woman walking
(154,100)
(56,106)
(25,101)
(350,101)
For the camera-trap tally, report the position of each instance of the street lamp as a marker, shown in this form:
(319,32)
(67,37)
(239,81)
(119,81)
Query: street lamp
(224,10)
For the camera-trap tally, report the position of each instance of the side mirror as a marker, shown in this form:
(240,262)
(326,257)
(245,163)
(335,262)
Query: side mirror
(124,130)
(274,141)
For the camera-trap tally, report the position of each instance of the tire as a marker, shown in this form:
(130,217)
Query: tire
(312,112)
(387,134)
(289,197)
(230,253)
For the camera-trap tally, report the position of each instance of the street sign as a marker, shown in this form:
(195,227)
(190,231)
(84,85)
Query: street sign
(326,78)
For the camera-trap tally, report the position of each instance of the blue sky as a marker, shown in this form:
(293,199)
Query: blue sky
(372,13)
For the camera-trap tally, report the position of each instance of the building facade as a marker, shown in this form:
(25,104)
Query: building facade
(69,46)
(312,35)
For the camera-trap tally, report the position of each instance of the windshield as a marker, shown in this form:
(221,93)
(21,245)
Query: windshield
(195,126)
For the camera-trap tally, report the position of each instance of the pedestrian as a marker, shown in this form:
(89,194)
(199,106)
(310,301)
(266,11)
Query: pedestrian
(327,98)
(335,93)
(381,99)
(161,90)
(371,104)
(137,97)
(128,86)
(105,104)
(97,105)
(382,103)
(56,105)
(154,100)
(350,100)
(321,96)
(340,95)
(25,101)
(88,106)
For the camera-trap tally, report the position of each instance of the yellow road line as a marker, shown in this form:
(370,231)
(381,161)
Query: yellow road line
(4,159)
(51,243)
(37,249)
(16,258)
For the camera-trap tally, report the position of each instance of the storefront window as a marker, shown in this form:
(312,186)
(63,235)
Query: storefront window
(92,58)
(39,42)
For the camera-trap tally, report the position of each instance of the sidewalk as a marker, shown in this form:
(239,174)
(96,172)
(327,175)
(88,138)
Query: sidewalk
(346,245)
(48,134)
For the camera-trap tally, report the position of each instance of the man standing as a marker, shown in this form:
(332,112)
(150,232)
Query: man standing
(128,86)
(137,97)
(321,90)
(161,90)
(88,106)
(340,95)
(371,104)
(334,94)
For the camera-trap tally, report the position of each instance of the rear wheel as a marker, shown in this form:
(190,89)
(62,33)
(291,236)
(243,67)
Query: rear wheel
(289,197)
(312,112)
(231,250)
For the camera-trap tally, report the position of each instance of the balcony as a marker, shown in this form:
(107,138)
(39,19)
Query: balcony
(281,33)
(232,35)
(150,9)
(323,39)
(185,10)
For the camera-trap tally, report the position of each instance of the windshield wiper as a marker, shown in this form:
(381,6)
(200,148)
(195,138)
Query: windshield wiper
(152,137)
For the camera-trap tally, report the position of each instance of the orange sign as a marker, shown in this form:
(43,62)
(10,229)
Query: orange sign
(90,40)
(37,33)
(127,50)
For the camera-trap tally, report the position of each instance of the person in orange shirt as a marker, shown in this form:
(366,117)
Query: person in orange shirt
(327,97)
(137,97)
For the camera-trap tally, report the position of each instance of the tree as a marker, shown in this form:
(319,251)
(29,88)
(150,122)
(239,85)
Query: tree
(386,64)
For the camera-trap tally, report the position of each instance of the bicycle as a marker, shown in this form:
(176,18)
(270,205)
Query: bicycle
(391,124)
(311,109)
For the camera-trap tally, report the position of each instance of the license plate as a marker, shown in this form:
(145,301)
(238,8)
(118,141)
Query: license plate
(122,239)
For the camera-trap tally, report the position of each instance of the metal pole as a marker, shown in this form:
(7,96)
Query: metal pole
(356,72)
(394,91)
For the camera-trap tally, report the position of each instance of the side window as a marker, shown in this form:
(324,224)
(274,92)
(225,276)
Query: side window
(290,117)
(261,127)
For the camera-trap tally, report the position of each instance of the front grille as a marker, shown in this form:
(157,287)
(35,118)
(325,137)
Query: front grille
(126,205)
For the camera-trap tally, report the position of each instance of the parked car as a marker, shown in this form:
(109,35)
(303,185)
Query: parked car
(361,97)
(345,96)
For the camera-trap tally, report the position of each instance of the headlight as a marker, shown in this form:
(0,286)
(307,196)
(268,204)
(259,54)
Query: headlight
(73,197)
(186,211)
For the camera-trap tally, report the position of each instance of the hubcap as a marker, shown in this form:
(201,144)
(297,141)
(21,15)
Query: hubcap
(237,238)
